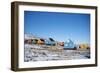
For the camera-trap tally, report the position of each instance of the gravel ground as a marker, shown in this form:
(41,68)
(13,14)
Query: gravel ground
(44,53)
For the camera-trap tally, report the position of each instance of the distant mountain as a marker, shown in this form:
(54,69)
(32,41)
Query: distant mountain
(30,36)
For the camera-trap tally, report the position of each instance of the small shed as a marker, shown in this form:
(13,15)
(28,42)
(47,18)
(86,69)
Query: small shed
(28,41)
(61,43)
(34,41)
(84,46)
(40,42)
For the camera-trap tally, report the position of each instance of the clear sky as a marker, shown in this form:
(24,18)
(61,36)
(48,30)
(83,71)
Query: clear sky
(59,26)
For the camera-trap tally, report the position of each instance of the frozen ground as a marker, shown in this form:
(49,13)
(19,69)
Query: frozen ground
(44,53)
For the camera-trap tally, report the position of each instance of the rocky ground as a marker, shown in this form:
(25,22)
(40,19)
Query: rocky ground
(47,53)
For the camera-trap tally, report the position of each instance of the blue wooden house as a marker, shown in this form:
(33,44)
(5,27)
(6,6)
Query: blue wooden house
(69,45)
(50,42)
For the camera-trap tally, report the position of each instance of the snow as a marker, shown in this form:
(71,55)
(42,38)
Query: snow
(33,46)
(39,53)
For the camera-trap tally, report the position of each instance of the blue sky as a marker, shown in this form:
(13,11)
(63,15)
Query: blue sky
(60,26)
